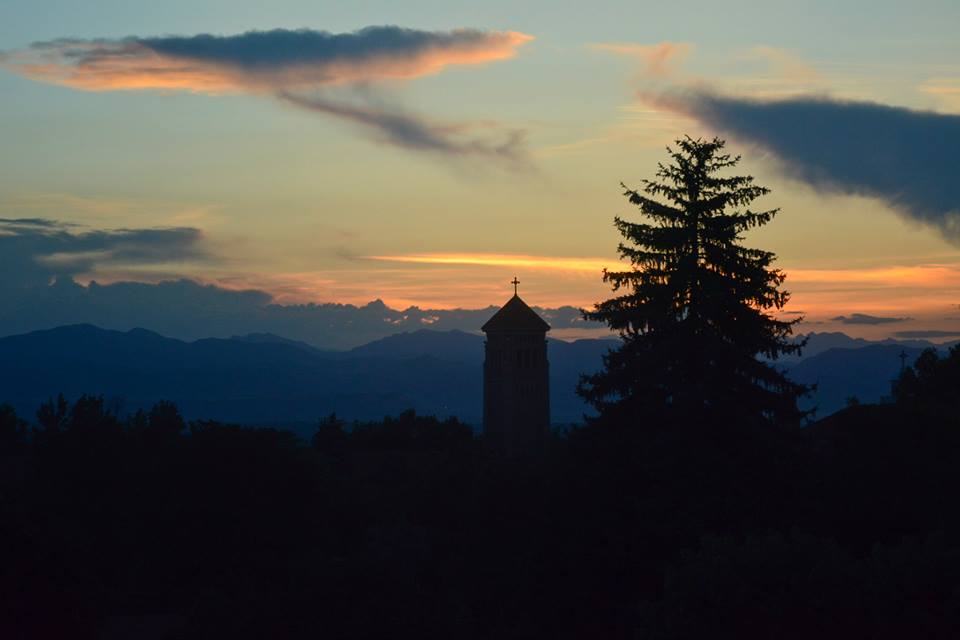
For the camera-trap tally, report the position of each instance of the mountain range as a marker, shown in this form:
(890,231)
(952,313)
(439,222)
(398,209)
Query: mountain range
(267,379)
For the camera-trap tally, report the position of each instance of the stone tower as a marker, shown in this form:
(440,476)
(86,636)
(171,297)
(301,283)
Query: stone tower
(516,385)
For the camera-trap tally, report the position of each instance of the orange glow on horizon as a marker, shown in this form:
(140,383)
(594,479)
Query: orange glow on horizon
(926,276)
(924,296)
(473,280)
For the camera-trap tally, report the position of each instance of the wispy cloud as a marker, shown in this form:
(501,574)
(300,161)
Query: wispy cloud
(659,60)
(944,90)
(294,65)
(409,131)
(906,157)
(785,64)
(106,211)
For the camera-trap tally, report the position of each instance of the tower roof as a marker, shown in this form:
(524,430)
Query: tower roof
(515,316)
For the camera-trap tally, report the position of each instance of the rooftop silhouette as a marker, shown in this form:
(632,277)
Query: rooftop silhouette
(515,315)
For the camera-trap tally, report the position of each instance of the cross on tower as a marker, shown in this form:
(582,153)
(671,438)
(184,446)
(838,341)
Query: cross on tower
(903,360)
(514,282)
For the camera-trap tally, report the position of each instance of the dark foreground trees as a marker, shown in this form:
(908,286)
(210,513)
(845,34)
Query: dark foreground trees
(695,308)
(407,528)
(932,385)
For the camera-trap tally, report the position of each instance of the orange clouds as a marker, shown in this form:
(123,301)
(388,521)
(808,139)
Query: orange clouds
(550,263)
(924,292)
(258,61)
(122,67)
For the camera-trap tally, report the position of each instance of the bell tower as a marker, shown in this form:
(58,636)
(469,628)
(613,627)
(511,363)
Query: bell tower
(516,379)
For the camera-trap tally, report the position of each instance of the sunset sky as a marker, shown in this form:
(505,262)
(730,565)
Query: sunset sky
(424,153)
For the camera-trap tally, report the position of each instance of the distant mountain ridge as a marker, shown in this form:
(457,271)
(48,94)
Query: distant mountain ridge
(267,379)
(455,345)
(864,373)
(820,342)
(270,338)
(190,310)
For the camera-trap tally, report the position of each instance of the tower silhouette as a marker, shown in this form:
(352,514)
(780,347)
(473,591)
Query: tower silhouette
(516,379)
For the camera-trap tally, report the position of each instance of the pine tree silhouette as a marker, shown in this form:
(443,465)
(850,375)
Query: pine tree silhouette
(694,311)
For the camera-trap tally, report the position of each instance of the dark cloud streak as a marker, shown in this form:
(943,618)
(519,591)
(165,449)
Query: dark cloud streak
(38,290)
(908,158)
(394,127)
(927,333)
(863,318)
(17,223)
(281,48)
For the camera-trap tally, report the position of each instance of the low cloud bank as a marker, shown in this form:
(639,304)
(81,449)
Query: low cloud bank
(33,251)
(40,260)
(189,310)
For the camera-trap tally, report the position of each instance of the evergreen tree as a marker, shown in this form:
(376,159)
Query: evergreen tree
(13,430)
(695,308)
(52,415)
(165,419)
(932,385)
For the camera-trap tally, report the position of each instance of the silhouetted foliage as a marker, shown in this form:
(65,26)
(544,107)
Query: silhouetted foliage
(407,528)
(52,415)
(932,384)
(13,430)
(694,310)
(406,432)
(412,432)
(90,424)
(730,588)
(165,419)
(331,436)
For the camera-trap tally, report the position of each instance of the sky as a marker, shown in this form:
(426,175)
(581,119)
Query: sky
(425,153)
